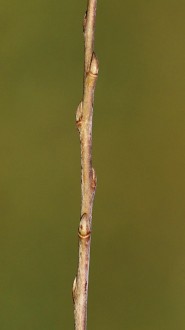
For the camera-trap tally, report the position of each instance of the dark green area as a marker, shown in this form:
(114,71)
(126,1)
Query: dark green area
(137,273)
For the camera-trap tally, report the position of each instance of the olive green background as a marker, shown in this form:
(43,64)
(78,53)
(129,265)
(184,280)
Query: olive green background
(137,272)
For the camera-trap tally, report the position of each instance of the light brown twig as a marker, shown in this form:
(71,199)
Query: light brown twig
(84,116)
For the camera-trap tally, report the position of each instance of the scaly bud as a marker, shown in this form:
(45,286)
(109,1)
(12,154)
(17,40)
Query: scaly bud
(94,67)
(79,115)
(94,179)
(84,227)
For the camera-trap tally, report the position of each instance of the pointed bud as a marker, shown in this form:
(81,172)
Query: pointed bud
(85,22)
(79,115)
(94,179)
(94,67)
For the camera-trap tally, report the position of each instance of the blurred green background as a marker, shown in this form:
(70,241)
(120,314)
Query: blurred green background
(137,272)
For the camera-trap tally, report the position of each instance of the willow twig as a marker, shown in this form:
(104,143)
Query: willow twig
(84,116)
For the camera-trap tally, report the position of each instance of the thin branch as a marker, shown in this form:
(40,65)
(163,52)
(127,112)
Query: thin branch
(84,116)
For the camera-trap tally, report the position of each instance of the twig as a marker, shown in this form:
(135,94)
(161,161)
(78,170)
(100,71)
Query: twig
(84,116)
